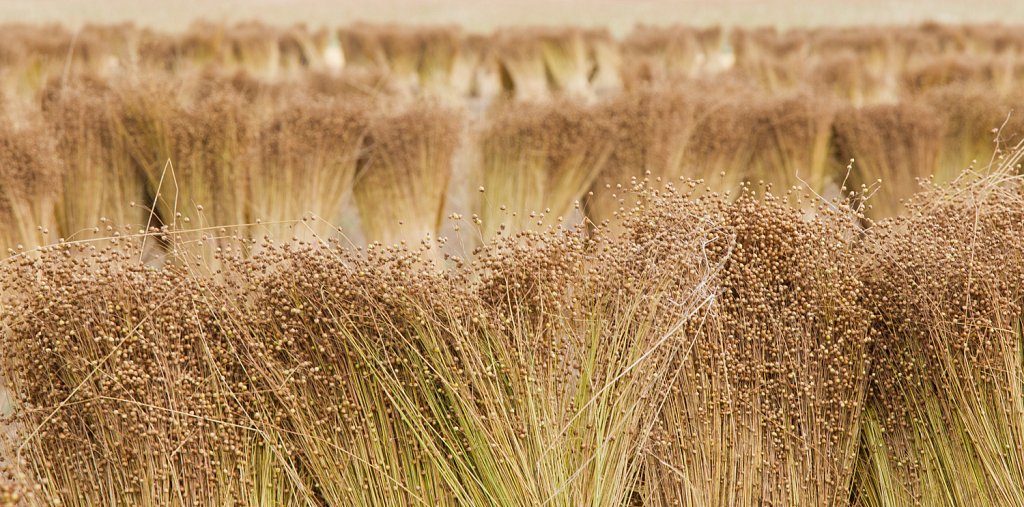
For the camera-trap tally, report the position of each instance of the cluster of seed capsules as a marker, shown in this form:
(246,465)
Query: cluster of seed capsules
(700,348)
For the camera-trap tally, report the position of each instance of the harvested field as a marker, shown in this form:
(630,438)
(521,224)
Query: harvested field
(380,264)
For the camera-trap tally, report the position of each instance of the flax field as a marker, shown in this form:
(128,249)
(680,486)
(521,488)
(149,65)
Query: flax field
(399,265)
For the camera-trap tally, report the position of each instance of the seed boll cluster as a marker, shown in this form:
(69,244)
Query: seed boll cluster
(945,284)
(548,349)
(764,405)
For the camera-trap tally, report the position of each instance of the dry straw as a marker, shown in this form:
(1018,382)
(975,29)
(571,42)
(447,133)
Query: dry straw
(303,164)
(530,376)
(792,138)
(604,58)
(99,181)
(658,54)
(519,55)
(426,58)
(537,161)
(720,149)
(355,84)
(944,422)
(348,333)
(192,158)
(765,405)
(202,44)
(993,38)
(403,51)
(361,46)
(252,46)
(654,129)
(156,51)
(30,183)
(473,68)
(957,69)
(772,59)
(208,144)
(441,47)
(565,58)
(580,361)
(926,42)
(716,351)
(688,348)
(710,40)
(400,187)
(874,47)
(847,75)
(891,145)
(93,46)
(129,388)
(977,124)
(31,55)
(298,50)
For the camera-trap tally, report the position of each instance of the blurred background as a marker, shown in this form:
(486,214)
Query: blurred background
(617,15)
